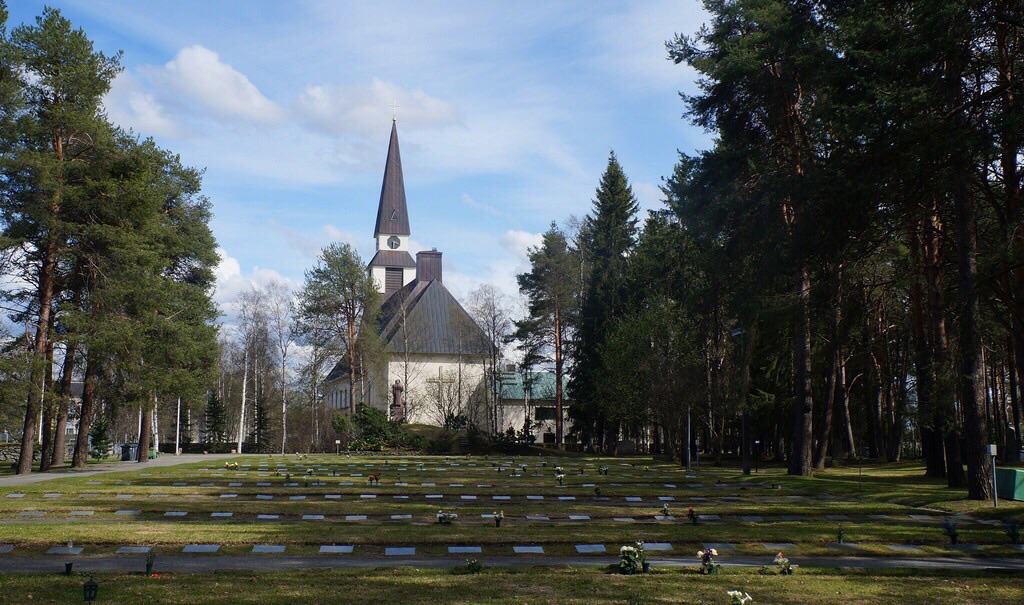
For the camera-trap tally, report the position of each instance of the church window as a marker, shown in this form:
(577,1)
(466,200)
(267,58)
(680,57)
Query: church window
(544,413)
(394,215)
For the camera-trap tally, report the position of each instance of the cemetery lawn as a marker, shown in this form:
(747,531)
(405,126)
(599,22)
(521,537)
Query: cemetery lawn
(872,504)
(534,586)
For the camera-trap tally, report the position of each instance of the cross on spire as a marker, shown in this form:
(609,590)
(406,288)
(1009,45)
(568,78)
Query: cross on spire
(394,110)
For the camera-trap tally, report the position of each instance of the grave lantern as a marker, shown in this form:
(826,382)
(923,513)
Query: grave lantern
(89,590)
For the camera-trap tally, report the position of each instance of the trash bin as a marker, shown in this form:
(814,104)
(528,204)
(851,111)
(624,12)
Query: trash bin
(129,452)
(152,453)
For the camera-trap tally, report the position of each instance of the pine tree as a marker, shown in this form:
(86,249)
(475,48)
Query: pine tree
(550,289)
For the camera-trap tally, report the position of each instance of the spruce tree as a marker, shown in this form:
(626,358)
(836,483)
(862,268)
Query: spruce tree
(611,234)
(216,420)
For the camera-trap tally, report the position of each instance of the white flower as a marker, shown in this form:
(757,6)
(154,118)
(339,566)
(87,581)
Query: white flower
(714,553)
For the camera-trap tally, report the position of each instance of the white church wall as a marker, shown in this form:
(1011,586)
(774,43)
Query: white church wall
(434,383)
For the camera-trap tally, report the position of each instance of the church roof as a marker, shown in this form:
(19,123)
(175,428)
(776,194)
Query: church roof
(542,386)
(392,213)
(424,318)
(392,258)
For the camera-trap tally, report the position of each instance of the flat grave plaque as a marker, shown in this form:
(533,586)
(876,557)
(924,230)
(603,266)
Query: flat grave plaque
(720,545)
(312,517)
(268,548)
(333,549)
(902,548)
(64,550)
(778,546)
(128,512)
(590,548)
(657,546)
(528,550)
(201,548)
(355,517)
(464,549)
(399,551)
(5,548)
(175,513)
(579,517)
(268,517)
(133,550)
(397,517)
(221,514)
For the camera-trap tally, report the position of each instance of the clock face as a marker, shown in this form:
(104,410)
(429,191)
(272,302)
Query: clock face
(394,242)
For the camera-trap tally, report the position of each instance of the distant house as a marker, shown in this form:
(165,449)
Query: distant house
(435,353)
(536,403)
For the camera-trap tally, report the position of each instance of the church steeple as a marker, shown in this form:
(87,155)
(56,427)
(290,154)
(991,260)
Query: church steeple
(392,213)
(392,266)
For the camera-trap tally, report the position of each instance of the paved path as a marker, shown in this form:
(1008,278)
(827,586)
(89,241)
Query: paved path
(270,563)
(108,467)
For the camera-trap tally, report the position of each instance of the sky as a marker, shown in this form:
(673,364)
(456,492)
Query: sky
(507,112)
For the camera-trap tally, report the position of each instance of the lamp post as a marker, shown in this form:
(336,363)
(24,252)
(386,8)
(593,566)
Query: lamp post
(992,451)
(89,590)
(757,454)
(337,446)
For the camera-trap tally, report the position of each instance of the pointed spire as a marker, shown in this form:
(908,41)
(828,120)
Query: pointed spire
(392,213)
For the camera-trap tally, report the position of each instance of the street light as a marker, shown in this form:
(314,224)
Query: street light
(757,453)
(89,590)
(992,451)
(337,446)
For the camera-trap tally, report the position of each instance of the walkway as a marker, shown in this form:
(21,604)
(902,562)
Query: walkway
(274,563)
(107,467)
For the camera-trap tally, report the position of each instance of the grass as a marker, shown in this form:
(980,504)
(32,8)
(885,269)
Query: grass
(533,586)
(896,490)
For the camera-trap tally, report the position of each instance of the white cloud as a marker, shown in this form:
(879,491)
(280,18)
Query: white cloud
(198,73)
(231,282)
(310,245)
(631,42)
(361,109)
(472,203)
(130,105)
(520,242)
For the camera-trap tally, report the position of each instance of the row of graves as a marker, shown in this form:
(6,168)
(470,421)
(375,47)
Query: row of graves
(392,506)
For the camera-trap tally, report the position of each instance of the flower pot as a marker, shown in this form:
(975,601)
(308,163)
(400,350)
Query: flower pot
(954,540)
(149,569)
(711,570)
(840,539)
(497,523)
(67,568)
(647,567)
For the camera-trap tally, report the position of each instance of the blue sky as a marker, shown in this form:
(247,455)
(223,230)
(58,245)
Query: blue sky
(507,113)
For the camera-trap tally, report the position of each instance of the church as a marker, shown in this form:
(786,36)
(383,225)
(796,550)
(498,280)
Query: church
(435,355)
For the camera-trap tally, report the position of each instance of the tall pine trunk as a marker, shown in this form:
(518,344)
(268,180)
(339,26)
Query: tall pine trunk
(803,404)
(87,414)
(63,403)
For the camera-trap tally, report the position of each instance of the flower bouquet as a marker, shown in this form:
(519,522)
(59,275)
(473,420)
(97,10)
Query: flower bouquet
(633,560)
(707,561)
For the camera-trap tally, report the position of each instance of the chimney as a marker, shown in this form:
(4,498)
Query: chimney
(428,265)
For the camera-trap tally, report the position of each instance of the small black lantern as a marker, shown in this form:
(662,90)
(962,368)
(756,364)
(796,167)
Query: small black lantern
(89,590)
